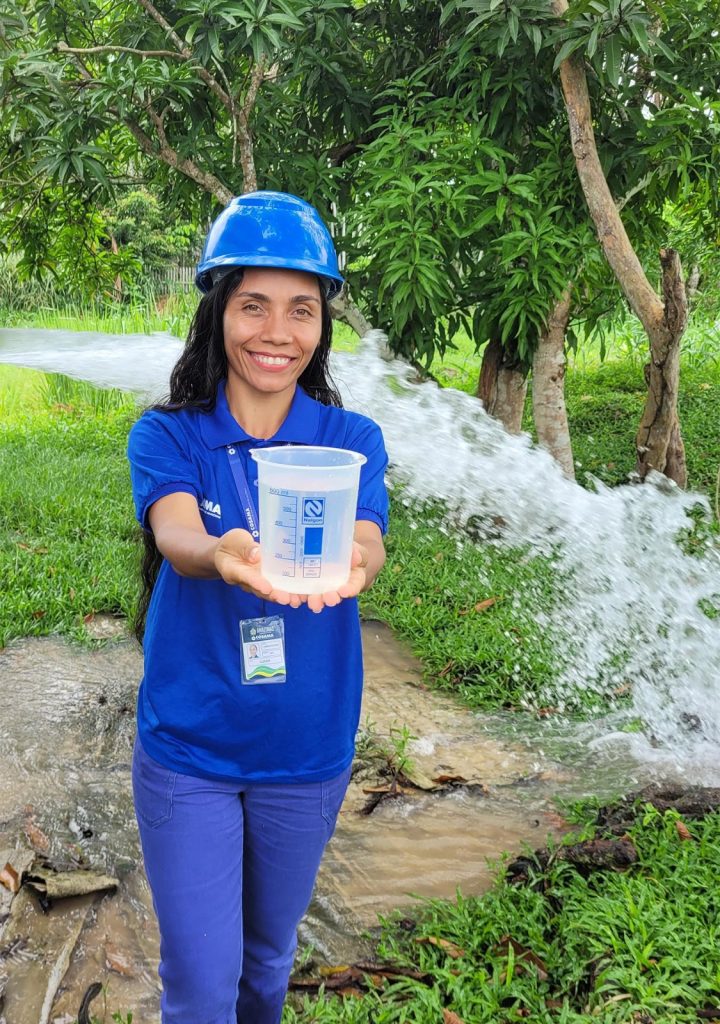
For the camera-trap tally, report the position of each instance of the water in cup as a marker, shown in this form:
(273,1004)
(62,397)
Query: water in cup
(308,500)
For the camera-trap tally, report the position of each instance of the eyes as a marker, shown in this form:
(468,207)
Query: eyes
(298,312)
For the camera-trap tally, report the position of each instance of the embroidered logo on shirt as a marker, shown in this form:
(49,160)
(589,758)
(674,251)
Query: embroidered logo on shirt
(210,508)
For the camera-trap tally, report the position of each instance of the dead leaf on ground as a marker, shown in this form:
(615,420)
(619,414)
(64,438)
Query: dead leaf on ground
(482,606)
(683,831)
(10,878)
(443,779)
(87,619)
(523,955)
(449,947)
(451,1018)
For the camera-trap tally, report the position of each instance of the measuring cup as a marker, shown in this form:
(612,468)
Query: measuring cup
(308,499)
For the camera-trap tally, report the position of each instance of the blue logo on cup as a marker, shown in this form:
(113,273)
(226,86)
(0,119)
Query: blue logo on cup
(313,511)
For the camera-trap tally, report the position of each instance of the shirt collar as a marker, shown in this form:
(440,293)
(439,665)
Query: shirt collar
(220,428)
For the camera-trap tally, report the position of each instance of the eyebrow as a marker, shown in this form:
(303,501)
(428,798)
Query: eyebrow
(266,298)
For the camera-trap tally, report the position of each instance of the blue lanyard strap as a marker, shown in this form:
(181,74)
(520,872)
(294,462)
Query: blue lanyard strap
(246,498)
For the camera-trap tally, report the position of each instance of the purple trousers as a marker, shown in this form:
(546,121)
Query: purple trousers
(231,868)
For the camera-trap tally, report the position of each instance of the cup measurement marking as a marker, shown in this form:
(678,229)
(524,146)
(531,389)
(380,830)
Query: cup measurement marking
(287,527)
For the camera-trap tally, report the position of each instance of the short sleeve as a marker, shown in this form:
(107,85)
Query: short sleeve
(366,437)
(159,465)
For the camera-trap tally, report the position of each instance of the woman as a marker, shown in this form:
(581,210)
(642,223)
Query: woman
(238,786)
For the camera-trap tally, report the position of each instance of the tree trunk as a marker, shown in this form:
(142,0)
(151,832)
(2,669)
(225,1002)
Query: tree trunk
(343,308)
(659,442)
(548,387)
(502,386)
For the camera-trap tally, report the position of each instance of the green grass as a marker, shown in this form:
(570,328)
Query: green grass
(68,547)
(434,593)
(614,945)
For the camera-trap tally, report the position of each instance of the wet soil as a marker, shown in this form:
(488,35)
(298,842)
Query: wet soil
(65,746)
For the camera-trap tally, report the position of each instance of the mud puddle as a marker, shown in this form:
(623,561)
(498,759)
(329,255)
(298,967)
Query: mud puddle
(65,746)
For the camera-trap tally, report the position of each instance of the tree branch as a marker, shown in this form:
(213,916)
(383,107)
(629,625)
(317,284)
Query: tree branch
(170,157)
(187,54)
(64,48)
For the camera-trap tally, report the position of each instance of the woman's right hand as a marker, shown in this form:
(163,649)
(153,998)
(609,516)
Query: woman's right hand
(237,559)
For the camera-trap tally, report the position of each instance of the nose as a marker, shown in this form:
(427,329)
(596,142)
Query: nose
(276,329)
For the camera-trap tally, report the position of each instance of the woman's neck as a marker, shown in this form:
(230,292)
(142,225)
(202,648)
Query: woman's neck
(260,415)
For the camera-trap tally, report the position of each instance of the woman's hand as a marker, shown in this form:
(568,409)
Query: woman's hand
(356,582)
(237,560)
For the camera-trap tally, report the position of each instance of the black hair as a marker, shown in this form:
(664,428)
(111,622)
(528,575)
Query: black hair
(194,382)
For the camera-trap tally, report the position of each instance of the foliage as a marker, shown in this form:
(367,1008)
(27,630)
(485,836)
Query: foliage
(436,143)
(61,244)
(612,946)
(140,224)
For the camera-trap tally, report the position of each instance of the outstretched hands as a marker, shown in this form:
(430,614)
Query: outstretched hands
(237,560)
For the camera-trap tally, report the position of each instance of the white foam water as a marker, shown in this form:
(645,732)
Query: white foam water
(632,614)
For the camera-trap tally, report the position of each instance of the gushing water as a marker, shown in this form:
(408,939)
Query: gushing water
(635,608)
(636,604)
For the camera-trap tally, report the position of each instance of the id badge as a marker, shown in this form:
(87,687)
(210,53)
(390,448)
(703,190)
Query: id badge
(262,645)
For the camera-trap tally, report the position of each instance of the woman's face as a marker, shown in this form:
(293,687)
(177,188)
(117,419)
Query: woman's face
(271,326)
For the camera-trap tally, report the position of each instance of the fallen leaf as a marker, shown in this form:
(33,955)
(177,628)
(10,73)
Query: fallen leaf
(417,600)
(88,618)
(523,955)
(451,1018)
(442,779)
(438,556)
(444,671)
(683,831)
(546,712)
(72,593)
(25,547)
(10,878)
(449,947)
(39,615)
(481,606)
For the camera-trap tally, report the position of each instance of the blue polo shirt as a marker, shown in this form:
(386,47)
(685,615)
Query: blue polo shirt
(194,714)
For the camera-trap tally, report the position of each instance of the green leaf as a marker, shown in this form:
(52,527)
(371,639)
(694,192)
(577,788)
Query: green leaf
(567,48)
(613,56)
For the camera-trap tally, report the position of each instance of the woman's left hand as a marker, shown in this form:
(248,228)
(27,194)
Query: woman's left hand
(355,583)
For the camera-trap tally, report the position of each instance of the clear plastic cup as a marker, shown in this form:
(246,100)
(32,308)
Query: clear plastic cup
(308,500)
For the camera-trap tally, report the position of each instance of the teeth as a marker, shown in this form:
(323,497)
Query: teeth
(271,360)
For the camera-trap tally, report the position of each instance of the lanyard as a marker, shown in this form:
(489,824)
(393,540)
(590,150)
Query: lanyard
(246,499)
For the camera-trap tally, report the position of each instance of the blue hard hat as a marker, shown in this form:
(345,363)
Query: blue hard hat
(269,229)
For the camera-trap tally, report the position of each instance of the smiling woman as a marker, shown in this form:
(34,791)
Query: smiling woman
(250,698)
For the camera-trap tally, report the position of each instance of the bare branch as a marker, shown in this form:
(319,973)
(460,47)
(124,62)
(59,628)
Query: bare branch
(170,157)
(187,54)
(64,48)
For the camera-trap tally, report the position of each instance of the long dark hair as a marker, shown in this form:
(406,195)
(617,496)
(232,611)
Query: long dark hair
(194,382)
